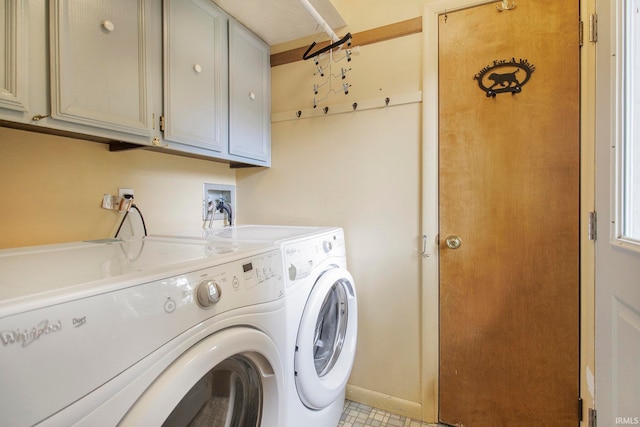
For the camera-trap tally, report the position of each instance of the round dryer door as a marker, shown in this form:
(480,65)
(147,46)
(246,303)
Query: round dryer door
(231,378)
(326,342)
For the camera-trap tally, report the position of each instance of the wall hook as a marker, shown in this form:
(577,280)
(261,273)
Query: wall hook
(505,5)
(386,101)
(326,110)
(298,114)
(355,106)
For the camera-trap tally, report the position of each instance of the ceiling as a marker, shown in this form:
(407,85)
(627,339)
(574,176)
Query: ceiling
(279,21)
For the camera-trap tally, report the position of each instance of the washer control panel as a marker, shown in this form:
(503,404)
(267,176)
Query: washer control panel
(80,345)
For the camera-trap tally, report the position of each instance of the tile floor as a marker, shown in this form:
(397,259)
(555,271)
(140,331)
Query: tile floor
(359,415)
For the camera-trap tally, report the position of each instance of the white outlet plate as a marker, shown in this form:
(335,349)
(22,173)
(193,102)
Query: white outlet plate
(123,191)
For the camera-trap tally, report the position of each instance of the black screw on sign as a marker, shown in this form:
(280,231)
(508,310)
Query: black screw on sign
(504,76)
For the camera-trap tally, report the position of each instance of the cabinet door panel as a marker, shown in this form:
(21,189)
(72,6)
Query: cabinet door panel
(195,95)
(249,97)
(99,64)
(13,55)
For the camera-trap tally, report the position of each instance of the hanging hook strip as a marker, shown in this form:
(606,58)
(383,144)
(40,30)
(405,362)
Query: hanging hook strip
(308,55)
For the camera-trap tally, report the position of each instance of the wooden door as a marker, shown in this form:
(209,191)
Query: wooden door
(509,188)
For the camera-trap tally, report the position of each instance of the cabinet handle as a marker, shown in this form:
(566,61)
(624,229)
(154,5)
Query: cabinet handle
(108,25)
(39,117)
(197,68)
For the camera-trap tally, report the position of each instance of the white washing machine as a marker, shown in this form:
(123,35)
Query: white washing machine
(141,333)
(321,316)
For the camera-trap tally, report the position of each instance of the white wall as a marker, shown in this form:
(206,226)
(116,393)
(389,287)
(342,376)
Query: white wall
(52,188)
(360,171)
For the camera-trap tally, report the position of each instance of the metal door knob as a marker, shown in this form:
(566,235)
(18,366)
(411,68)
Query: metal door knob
(453,242)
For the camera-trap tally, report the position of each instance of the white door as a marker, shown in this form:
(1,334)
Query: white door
(326,342)
(618,205)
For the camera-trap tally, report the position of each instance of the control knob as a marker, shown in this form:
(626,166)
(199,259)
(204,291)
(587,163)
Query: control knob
(208,293)
(327,246)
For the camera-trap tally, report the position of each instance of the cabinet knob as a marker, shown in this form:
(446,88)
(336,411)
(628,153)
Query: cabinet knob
(252,95)
(108,25)
(197,68)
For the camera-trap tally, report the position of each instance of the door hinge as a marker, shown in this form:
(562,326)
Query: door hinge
(592,227)
(161,123)
(581,33)
(580,408)
(593,28)
(593,418)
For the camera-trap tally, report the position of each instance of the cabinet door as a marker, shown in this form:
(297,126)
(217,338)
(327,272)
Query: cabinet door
(13,55)
(195,64)
(249,97)
(99,64)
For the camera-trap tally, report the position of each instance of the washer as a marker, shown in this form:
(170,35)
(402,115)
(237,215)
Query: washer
(321,325)
(148,332)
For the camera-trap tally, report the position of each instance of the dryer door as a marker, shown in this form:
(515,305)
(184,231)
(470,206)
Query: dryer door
(231,378)
(326,341)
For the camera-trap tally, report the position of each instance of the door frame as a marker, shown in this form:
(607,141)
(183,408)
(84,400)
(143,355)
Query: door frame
(430,220)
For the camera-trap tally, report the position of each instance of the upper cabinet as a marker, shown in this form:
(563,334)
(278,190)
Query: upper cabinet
(249,95)
(195,75)
(216,84)
(13,56)
(179,76)
(78,69)
(99,58)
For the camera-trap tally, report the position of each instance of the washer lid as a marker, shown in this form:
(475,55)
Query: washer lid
(267,233)
(326,343)
(93,267)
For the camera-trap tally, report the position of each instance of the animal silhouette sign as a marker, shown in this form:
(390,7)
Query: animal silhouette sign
(504,76)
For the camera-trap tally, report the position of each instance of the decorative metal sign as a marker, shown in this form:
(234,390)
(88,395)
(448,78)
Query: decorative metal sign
(504,76)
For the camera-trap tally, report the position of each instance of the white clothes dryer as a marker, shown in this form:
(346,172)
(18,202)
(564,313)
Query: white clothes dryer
(321,307)
(321,327)
(149,332)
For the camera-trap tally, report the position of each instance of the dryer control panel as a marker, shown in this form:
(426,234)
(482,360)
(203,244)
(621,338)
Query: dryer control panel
(301,257)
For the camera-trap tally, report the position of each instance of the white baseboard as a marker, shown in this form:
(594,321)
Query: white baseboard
(385,402)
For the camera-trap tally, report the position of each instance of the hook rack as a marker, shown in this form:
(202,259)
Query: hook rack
(349,107)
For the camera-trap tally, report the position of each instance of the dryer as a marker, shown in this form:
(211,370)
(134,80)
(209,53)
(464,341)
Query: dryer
(321,311)
(148,332)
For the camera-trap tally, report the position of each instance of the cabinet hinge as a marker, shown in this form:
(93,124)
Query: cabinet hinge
(593,28)
(593,418)
(581,33)
(592,227)
(161,123)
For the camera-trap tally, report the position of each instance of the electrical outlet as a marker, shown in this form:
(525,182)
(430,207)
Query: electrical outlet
(125,191)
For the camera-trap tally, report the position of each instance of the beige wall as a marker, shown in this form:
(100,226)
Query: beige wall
(52,188)
(360,171)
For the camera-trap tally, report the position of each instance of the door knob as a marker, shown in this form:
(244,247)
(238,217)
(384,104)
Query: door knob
(453,242)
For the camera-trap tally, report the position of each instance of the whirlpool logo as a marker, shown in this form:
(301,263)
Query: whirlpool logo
(25,337)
